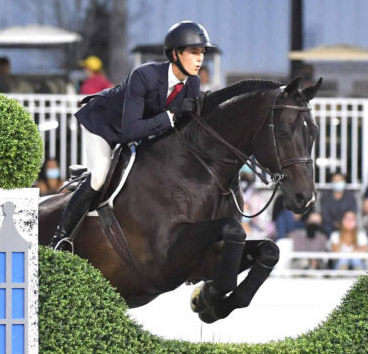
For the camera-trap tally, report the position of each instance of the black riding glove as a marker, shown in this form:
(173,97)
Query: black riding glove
(188,105)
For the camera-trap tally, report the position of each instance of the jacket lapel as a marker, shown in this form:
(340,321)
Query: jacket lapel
(163,82)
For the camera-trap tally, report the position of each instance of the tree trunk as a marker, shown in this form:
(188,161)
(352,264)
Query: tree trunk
(118,55)
(296,35)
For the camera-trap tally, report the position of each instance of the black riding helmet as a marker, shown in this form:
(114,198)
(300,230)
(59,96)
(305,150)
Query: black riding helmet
(182,35)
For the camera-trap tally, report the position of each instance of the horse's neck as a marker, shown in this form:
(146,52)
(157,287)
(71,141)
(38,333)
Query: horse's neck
(237,121)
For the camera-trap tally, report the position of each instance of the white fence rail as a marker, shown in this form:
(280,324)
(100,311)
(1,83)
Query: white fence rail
(59,130)
(285,266)
(342,142)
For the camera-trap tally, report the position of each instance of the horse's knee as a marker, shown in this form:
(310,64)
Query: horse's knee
(269,253)
(233,231)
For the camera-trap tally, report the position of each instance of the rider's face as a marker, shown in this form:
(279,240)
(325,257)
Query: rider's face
(191,58)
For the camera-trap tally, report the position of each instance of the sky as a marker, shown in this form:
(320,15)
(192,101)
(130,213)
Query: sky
(254,35)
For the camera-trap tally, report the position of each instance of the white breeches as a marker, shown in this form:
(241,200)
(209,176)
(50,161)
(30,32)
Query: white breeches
(98,158)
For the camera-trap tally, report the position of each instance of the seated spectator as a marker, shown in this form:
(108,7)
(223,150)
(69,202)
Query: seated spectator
(96,79)
(365,208)
(49,180)
(247,178)
(9,83)
(204,76)
(260,226)
(310,239)
(335,202)
(285,220)
(5,77)
(349,239)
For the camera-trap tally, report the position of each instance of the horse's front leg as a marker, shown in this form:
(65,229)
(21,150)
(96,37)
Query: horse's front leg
(192,247)
(260,256)
(191,243)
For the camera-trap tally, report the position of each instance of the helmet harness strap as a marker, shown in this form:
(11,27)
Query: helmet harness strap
(180,65)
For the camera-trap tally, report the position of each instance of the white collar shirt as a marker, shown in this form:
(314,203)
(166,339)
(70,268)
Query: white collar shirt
(173,80)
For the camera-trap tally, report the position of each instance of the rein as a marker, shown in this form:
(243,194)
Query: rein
(277,177)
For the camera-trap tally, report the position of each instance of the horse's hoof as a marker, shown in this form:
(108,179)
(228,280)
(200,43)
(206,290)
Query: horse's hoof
(194,299)
(198,303)
(208,315)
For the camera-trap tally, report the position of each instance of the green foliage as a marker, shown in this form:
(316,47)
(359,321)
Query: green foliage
(21,149)
(81,313)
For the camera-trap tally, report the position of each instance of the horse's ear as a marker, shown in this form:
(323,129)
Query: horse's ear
(311,91)
(293,85)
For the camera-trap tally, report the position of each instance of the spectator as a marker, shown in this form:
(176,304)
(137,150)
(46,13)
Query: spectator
(349,239)
(261,225)
(335,202)
(310,239)
(49,180)
(204,75)
(365,208)
(285,220)
(247,178)
(96,80)
(5,77)
(10,83)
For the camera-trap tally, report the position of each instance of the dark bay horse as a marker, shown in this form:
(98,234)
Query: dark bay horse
(180,222)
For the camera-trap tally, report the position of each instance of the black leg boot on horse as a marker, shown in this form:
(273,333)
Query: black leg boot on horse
(73,214)
(265,258)
(205,297)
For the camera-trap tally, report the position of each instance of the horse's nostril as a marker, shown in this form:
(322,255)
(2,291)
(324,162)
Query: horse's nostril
(301,198)
(305,199)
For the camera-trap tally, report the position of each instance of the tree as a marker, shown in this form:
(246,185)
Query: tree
(118,55)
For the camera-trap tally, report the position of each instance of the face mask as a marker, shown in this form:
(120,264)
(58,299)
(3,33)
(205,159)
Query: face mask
(338,186)
(246,169)
(312,229)
(53,173)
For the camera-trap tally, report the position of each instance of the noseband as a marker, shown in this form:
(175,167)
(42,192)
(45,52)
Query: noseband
(277,177)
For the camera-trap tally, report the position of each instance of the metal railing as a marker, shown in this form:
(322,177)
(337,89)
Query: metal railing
(285,267)
(341,144)
(343,139)
(59,129)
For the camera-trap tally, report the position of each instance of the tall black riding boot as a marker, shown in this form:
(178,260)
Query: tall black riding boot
(77,207)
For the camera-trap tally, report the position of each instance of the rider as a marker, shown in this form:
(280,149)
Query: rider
(138,108)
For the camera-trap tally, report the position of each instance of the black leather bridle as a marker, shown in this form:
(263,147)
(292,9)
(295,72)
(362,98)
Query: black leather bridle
(277,177)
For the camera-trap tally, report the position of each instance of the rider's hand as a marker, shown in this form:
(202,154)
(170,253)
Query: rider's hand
(188,105)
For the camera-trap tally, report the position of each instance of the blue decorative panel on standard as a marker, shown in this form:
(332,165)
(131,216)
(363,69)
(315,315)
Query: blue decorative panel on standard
(2,339)
(18,267)
(17,339)
(2,304)
(18,304)
(2,267)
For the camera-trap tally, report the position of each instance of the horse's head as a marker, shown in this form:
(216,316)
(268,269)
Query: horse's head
(292,132)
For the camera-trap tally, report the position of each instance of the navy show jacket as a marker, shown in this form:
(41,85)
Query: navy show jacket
(135,109)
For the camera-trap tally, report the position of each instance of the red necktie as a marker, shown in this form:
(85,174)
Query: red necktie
(174,92)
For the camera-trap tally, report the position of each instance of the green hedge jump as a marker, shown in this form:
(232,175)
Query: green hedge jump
(80,312)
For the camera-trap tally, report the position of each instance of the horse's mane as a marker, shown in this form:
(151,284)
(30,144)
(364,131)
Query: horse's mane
(215,98)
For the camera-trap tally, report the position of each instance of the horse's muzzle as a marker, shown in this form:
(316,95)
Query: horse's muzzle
(299,202)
